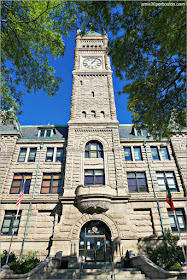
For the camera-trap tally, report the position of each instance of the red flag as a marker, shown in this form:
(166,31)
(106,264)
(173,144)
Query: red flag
(169,198)
(20,197)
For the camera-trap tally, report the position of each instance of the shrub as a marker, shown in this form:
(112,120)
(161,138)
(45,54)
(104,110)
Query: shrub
(28,262)
(164,256)
(176,267)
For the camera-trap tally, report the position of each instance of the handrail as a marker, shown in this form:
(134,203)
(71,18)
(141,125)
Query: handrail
(113,274)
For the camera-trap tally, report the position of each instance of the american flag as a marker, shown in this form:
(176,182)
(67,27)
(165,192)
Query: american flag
(20,197)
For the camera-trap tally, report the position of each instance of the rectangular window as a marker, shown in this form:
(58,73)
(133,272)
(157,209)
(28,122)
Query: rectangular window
(181,220)
(127,153)
(9,222)
(42,132)
(59,154)
(48,133)
(137,153)
(144,132)
(137,182)
(22,154)
(94,177)
(18,182)
(154,152)
(32,155)
(51,183)
(164,178)
(49,155)
(164,153)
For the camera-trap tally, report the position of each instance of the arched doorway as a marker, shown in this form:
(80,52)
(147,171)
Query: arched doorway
(95,241)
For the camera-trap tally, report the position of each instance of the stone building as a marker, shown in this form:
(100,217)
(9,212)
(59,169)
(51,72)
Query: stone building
(92,186)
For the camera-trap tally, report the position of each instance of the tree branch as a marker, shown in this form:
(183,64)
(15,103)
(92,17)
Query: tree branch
(30,21)
(172,82)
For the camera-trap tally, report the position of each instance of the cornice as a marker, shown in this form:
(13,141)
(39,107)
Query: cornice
(91,72)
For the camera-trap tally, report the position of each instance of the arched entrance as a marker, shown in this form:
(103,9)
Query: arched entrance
(95,241)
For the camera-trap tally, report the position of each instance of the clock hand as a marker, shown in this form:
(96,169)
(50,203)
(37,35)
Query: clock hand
(93,61)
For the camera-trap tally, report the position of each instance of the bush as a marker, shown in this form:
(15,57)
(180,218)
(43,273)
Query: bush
(176,267)
(164,256)
(28,262)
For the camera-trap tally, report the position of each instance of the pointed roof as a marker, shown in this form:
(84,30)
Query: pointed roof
(91,32)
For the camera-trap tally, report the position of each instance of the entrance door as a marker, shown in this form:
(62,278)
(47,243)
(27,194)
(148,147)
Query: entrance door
(95,242)
(95,248)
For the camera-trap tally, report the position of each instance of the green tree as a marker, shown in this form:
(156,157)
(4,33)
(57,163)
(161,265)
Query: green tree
(147,47)
(168,257)
(31,31)
(28,262)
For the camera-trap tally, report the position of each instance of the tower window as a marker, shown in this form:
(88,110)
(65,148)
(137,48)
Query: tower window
(84,114)
(102,114)
(92,93)
(93,114)
(93,150)
(81,83)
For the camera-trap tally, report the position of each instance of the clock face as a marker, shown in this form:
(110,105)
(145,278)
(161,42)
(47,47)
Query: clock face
(92,63)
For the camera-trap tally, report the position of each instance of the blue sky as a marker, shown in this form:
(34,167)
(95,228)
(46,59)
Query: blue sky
(40,109)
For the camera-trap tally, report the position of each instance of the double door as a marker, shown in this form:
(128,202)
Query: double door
(95,248)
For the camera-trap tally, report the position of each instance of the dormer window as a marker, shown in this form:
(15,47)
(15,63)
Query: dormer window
(142,132)
(42,133)
(46,132)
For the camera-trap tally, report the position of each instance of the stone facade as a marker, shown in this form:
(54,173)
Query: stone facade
(56,220)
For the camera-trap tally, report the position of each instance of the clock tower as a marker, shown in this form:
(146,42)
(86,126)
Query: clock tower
(93,115)
(94,193)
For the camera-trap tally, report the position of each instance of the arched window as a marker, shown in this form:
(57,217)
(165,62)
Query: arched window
(93,114)
(102,114)
(84,114)
(92,93)
(93,149)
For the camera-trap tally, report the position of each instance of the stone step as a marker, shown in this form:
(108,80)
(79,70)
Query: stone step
(120,274)
(64,274)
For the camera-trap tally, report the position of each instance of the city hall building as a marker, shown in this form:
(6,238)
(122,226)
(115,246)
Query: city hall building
(93,186)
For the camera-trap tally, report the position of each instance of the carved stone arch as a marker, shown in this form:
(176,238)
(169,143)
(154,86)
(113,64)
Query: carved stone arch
(100,139)
(3,147)
(76,228)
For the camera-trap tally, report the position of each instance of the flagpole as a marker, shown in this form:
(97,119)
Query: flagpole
(155,195)
(177,223)
(12,233)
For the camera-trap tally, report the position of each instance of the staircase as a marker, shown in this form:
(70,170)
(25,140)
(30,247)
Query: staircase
(100,271)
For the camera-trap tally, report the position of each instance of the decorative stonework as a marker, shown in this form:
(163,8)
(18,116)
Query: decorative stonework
(76,228)
(94,199)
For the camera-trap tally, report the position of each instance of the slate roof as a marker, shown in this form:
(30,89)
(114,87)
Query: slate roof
(31,131)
